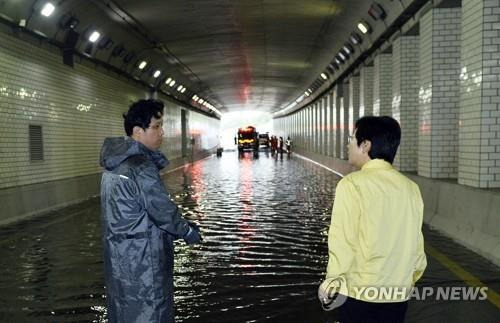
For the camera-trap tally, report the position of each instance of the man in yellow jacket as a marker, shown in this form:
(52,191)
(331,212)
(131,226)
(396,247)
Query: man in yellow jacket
(375,242)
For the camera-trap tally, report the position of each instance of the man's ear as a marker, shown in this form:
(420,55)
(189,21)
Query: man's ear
(137,131)
(366,145)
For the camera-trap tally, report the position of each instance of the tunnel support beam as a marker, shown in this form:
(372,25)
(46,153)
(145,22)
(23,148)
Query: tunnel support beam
(366,90)
(405,99)
(354,87)
(382,84)
(439,93)
(479,116)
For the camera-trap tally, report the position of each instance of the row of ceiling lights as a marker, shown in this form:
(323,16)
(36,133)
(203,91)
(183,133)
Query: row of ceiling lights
(376,12)
(93,36)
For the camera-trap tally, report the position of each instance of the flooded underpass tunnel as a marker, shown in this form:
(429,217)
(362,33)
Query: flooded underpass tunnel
(264,222)
(316,161)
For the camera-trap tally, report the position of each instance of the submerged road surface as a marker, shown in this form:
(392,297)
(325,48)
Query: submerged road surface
(264,222)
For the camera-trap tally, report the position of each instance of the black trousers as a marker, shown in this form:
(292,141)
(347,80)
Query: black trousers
(354,311)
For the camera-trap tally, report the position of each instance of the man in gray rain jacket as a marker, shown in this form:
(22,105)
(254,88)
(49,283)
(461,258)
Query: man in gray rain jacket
(140,221)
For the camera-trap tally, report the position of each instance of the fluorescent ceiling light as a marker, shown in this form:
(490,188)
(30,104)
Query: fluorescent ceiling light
(94,36)
(323,75)
(355,39)
(48,9)
(157,73)
(142,65)
(348,48)
(172,83)
(364,27)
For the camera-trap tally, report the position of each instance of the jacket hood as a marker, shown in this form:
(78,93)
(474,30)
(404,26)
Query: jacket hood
(116,150)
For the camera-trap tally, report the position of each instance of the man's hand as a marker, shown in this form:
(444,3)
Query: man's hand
(193,235)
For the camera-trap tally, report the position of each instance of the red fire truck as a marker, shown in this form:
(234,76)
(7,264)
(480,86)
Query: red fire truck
(247,138)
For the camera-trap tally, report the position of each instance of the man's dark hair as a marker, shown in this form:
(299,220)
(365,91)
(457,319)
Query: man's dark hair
(384,133)
(140,114)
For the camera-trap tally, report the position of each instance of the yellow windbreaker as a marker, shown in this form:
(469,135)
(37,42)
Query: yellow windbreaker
(375,240)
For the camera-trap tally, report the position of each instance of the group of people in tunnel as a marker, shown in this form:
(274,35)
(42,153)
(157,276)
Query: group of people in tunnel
(279,146)
(374,237)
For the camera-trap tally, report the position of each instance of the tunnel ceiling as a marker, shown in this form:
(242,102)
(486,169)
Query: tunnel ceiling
(245,54)
(251,54)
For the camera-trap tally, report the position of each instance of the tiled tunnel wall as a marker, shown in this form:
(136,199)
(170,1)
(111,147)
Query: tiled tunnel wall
(444,84)
(76,109)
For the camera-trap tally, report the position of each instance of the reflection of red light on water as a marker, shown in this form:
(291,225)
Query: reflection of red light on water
(246,229)
(195,172)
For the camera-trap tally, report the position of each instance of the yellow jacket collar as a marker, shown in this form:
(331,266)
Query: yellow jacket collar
(377,163)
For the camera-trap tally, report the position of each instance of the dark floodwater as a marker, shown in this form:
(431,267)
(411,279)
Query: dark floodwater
(264,223)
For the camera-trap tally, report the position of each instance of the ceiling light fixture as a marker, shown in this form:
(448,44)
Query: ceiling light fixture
(142,65)
(364,27)
(323,75)
(348,48)
(94,36)
(157,73)
(355,38)
(342,56)
(47,9)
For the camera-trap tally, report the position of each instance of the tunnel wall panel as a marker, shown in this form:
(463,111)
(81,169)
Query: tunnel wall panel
(77,108)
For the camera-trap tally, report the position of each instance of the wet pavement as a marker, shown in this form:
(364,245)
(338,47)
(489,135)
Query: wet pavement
(264,222)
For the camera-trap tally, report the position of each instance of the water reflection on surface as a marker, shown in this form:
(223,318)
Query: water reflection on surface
(264,222)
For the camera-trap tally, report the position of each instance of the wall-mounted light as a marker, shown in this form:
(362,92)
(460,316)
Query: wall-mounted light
(94,36)
(355,38)
(142,65)
(324,76)
(47,9)
(376,11)
(342,56)
(348,49)
(364,27)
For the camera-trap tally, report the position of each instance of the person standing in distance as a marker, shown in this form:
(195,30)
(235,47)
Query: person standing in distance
(375,241)
(140,222)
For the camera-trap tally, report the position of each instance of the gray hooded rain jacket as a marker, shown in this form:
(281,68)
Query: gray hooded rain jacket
(140,223)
